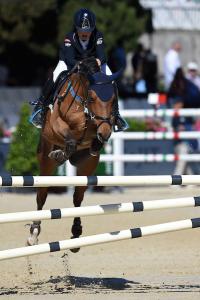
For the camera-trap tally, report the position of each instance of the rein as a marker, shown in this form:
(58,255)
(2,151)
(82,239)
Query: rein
(84,102)
(90,113)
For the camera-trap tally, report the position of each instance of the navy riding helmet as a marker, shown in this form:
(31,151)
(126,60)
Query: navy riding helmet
(84,20)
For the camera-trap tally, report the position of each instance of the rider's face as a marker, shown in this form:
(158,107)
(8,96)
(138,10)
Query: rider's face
(84,36)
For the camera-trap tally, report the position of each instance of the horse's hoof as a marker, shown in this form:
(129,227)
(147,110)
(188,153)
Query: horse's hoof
(75,250)
(59,156)
(31,241)
(71,146)
(33,238)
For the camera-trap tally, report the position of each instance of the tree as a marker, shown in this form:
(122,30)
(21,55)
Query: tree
(26,22)
(31,31)
(28,34)
(22,156)
(116,19)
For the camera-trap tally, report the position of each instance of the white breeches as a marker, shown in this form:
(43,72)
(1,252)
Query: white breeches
(61,66)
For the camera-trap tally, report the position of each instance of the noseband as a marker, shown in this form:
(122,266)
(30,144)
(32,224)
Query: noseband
(91,114)
(84,102)
(103,119)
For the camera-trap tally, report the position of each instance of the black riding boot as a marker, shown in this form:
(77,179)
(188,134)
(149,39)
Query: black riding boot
(120,123)
(38,113)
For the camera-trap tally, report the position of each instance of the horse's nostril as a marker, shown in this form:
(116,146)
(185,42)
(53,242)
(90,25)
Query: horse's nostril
(100,137)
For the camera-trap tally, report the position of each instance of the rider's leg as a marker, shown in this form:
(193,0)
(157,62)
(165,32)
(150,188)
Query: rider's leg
(39,110)
(61,66)
(120,123)
(44,100)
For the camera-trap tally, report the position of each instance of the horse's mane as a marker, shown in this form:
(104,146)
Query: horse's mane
(89,66)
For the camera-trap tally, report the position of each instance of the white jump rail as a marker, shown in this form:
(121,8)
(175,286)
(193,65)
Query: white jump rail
(100,238)
(47,181)
(107,209)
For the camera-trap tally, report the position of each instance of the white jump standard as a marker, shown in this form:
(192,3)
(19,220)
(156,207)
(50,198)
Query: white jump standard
(99,210)
(100,238)
(47,181)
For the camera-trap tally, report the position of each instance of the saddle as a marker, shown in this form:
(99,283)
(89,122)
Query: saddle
(60,81)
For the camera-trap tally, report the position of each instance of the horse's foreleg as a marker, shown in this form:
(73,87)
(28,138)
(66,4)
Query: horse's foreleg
(85,168)
(69,143)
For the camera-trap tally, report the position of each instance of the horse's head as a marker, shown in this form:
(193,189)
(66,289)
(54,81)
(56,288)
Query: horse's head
(100,96)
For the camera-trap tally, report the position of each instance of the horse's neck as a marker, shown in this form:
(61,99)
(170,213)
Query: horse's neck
(73,94)
(78,83)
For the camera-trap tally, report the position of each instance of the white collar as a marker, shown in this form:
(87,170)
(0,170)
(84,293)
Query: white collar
(84,44)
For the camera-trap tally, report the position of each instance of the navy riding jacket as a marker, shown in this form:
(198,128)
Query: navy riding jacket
(72,51)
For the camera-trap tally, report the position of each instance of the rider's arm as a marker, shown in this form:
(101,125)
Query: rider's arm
(67,53)
(100,48)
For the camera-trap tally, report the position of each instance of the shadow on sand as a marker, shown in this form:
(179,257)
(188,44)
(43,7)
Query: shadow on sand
(70,284)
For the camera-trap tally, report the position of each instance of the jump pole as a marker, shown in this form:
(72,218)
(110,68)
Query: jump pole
(47,181)
(100,238)
(99,210)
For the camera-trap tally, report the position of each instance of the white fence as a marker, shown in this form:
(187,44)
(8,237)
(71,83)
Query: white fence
(118,157)
(150,157)
(142,113)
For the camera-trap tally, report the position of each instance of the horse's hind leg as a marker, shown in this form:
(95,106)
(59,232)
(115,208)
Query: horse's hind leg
(85,168)
(35,228)
(47,167)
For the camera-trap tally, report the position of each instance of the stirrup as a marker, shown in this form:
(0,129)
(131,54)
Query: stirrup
(123,125)
(36,118)
(34,103)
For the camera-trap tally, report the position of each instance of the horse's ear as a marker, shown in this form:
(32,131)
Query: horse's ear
(115,75)
(94,78)
(101,78)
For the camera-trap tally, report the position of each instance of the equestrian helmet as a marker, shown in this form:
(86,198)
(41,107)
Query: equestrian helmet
(84,20)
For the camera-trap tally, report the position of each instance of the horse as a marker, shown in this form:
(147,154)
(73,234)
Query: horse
(75,129)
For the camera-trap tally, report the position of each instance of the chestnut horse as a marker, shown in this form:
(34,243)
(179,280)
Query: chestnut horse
(75,128)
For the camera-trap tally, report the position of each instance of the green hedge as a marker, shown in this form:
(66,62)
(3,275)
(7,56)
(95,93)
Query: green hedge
(136,125)
(22,158)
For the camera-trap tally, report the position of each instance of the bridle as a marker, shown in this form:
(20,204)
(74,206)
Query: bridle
(92,116)
(84,101)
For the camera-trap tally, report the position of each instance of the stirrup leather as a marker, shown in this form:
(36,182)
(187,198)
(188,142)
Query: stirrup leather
(36,118)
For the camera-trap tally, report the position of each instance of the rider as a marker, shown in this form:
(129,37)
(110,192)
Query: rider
(84,41)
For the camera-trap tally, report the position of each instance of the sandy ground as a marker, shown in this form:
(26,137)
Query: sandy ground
(165,266)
